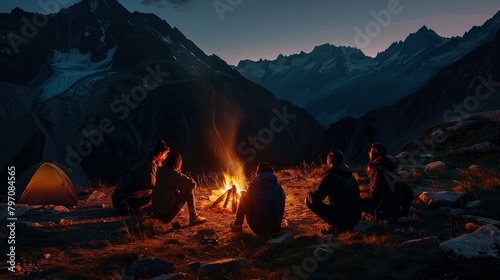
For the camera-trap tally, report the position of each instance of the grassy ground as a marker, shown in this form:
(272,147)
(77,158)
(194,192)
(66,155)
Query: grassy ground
(99,248)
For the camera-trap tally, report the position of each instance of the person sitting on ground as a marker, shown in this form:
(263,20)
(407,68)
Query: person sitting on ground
(263,204)
(132,195)
(389,197)
(174,189)
(343,210)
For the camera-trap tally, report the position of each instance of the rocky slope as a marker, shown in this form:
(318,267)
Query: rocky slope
(97,85)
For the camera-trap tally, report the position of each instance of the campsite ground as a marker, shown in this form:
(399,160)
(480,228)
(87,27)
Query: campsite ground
(92,242)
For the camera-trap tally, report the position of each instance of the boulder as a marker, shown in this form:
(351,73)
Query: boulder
(481,221)
(473,204)
(474,167)
(96,196)
(282,240)
(364,227)
(222,269)
(443,198)
(480,244)
(481,148)
(193,266)
(435,166)
(427,242)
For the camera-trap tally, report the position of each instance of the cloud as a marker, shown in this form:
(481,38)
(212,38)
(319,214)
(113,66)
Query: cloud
(155,3)
(181,5)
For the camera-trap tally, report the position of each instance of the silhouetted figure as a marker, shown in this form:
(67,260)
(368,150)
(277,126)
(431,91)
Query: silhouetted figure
(133,192)
(174,189)
(343,210)
(389,197)
(263,204)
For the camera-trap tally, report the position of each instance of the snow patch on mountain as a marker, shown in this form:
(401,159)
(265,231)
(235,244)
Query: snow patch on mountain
(69,68)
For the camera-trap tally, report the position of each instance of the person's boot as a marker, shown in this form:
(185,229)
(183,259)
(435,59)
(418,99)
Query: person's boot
(196,220)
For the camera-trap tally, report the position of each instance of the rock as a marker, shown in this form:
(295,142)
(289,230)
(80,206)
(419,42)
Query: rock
(481,221)
(149,267)
(402,155)
(221,269)
(473,204)
(435,166)
(474,167)
(194,266)
(364,228)
(172,276)
(96,196)
(282,240)
(471,227)
(60,208)
(481,244)
(482,148)
(444,198)
(288,258)
(427,242)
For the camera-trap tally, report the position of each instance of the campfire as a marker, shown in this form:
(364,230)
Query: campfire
(229,194)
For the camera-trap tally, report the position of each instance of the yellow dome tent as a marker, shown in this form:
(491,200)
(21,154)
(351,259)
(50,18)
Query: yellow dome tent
(44,184)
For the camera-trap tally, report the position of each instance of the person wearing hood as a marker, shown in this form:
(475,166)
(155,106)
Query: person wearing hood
(389,197)
(263,204)
(343,210)
(132,195)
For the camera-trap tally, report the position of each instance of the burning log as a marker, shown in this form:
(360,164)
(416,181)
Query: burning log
(230,194)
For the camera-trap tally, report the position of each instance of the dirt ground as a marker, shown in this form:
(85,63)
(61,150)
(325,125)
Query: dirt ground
(92,242)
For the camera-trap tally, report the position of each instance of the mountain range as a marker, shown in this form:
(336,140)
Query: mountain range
(332,82)
(93,86)
(455,97)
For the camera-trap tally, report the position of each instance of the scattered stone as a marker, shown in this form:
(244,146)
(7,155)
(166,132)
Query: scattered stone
(149,267)
(402,155)
(96,196)
(435,166)
(444,198)
(481,221)
(481,244)
(473,204)
(364,228)
(60,208)
(456,213)
(471,227)
(194,266)
(221,269)
(46,256)
(474,167)
(282,240)
(172,276)
(427,155)
(427,242)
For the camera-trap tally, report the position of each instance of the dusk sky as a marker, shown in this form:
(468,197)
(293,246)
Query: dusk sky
(254,29)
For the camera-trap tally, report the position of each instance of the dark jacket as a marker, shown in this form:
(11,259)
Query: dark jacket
(385,186)
(130,191)
(168,184)
(140,176)
(342,191)
(268,202)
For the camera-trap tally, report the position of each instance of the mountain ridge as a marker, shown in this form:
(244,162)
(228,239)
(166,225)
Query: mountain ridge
(104,85)
(402,68)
